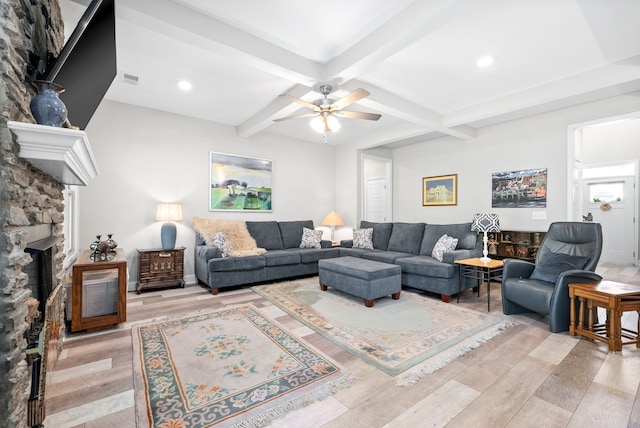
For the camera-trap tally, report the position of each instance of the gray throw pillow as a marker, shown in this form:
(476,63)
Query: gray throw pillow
(553,264)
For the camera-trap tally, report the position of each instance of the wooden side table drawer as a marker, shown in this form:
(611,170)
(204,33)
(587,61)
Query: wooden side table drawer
(159,268)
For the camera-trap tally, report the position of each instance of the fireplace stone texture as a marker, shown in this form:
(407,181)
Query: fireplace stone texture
(28,196)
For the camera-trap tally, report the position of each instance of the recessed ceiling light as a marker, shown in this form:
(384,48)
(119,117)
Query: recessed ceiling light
(485,61)
(185,85)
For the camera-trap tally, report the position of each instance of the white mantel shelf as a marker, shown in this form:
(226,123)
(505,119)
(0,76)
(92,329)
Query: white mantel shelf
(63,153)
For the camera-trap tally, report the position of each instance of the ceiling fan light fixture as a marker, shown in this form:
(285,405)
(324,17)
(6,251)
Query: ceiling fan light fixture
(333,123)
(317,123)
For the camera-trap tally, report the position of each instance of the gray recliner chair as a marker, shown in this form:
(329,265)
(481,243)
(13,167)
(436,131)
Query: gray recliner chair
(568,254)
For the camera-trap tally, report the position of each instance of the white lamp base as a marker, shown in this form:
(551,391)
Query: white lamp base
(485,250)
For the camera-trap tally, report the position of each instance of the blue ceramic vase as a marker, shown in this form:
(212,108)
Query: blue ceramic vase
(47,108)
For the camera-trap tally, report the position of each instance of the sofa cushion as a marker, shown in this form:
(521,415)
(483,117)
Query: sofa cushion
(266,234)
(406,237)
(553,264)
(426,266)
(291,232)
(363,238)
(432,232)
(236,263)
(220,241)
(385,256)
(445,244)
(381,233)
(312,255)
(311,238)
(281,257)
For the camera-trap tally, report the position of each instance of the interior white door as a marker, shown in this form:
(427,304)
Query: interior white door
(376,199)
(611,202)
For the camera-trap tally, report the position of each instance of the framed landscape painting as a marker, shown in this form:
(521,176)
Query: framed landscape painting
(525,188)
(440,190)
(239,183)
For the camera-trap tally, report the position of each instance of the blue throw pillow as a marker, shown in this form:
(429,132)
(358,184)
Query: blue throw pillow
(553,264)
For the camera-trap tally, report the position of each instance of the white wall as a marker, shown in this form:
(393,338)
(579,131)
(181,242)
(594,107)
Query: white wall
(146,156)
(538,141)
(623,136)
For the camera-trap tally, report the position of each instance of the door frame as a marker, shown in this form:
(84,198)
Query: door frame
(574,168)
(388,176)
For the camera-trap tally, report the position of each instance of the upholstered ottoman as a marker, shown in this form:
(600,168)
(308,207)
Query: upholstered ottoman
(362,278)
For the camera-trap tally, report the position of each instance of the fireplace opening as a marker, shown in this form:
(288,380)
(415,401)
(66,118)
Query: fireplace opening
(43,316)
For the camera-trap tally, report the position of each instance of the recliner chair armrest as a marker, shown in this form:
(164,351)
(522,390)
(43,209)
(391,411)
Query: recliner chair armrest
(560,301)
(515,268)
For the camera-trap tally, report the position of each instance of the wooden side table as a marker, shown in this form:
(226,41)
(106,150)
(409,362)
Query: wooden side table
(615,298)
(477,269)
(98,292)
(160,268)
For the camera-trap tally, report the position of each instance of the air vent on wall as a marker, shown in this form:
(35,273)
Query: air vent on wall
(130,78)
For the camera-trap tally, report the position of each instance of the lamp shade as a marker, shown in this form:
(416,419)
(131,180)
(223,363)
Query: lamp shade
(483,222)
(332,219)
(321,123)
(169,212)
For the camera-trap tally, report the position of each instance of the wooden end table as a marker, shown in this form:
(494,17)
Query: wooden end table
(615,298)
(476,268)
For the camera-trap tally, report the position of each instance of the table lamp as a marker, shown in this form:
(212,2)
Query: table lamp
(168,213)
(332,219)
(485,223)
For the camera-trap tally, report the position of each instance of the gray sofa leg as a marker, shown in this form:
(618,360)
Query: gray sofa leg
(445,299)
(214,291)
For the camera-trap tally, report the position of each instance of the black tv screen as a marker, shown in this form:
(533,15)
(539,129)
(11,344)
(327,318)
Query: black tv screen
(86,65)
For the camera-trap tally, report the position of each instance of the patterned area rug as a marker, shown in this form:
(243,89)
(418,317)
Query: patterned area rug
(233,367)
(406,338)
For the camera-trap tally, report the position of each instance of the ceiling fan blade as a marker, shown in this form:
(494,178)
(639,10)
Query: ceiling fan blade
(298,116)
(349,99)
(303,102)
(357,115)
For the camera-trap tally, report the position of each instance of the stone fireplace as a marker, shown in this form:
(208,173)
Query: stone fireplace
(31,204)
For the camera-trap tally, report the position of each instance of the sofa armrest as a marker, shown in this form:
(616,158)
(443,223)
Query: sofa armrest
(207,252)
(326,243)
(346,243)
(451,256)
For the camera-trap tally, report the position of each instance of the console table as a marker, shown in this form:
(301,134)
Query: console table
(616,298)
(477,269)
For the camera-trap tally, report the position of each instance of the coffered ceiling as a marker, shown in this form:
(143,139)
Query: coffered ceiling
(417,58)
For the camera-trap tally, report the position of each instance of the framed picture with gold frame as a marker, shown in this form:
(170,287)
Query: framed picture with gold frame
(440,190)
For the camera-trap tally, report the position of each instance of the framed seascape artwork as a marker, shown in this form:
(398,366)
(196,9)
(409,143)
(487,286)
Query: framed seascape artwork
(440,190)
(519,189)
(239,183)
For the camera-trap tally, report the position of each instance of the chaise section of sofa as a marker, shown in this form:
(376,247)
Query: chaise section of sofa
(280,257)
(410,245)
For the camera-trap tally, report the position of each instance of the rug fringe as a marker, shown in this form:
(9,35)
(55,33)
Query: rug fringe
(413,375)
(267,417)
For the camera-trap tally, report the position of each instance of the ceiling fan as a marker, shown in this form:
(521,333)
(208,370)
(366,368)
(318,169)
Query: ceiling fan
(325,110)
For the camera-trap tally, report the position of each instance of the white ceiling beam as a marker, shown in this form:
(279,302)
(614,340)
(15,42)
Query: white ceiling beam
(200,30)
(407,27)
(280,107)
(388,103)
(560,93)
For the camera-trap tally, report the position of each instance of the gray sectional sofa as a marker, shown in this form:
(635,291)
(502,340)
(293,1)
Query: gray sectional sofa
(408,245)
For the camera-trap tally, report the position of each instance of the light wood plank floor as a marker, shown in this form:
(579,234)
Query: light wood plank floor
(525,377)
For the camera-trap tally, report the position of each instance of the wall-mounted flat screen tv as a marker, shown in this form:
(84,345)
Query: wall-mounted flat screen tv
(86,65)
